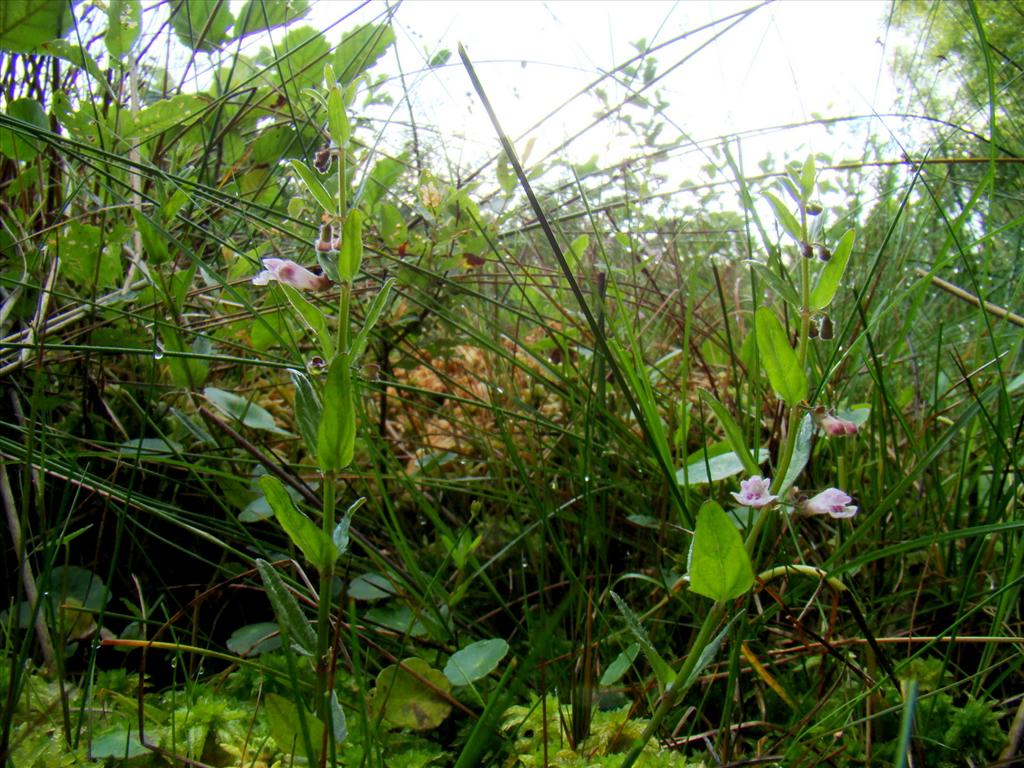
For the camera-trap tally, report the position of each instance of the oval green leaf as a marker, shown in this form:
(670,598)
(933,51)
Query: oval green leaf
(719,564)
(832,273)
(778,358)
(475,661)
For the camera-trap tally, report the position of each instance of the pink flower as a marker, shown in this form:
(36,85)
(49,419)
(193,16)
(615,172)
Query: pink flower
(288,272)
(755,492)
(832,502)
(832,425)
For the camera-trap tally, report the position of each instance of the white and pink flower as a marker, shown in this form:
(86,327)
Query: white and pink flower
(288,272)
(831,501)
(755,492)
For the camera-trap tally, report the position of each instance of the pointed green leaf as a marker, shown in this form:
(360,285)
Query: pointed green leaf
(778,358)
(808,175)
(719,564)
(289,615)
(801,453)
(258,15)
(351,257)
(336,435)
(372,315)
(19,144)
(360,49)
(202,26)
(307,409)
(662,670)
(337,120)
(832,273)
(315,187)
(785,217)
(733,433)
(308,537)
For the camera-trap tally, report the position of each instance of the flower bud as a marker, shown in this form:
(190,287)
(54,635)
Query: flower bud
(806,250)
(813,209)
(322,160)
(326,243)
(824,253)
(827,331)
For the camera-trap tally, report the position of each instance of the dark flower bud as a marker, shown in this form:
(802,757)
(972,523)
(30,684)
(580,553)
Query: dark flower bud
(827,331)
(322,160)
(807,250)
(824,253)
(813,209)
(325,244)
(812,331)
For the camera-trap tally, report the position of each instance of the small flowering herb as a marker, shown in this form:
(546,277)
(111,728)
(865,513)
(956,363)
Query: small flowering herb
(755,492)
(831,501)
(288,272)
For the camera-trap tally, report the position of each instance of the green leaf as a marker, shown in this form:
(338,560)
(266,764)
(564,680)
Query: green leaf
(308,537)
(391,225)
(440,58)
(370,586)
(312,318)
(778,358)
(90,256)
(254,639)
(19,144)
(709,651)
(717,463)
(258,15)
(27,24)
(121,743)
(339,726)
(289,615)
(719,564)
(780,285)
(77,56)
(381,179)
(620,665)
(308,409)
(577,249)
(336,435)
(124,22)
(398,618)
(186,372)
(801,453)
(351,257)
(785,217)
(372,316)
(832,273)
(203,25)
(733,433)
(337,120)
(662,670)
(409,695)
(150,446)
(360,49)
(237,407)
(286,727)
(315,187)
(475,661)
(808,175)
(154,241)
(166,114)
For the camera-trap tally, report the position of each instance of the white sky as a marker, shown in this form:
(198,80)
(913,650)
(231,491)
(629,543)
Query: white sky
(784,63)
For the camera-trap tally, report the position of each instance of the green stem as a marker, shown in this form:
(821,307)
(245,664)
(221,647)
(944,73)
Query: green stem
(681,684)
(323,624)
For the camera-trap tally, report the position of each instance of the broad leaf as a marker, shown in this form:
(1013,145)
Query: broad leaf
(19,144)
(308,409)
(258,15)
(245,411)
(26,24)
(372,316)
(351,257)
(779,360)
(202,26)
(287,723)
(410,695)
(801,453)
(124,22)
(254,639)
(719,564)
(475,661)
(360,49)
(717,463)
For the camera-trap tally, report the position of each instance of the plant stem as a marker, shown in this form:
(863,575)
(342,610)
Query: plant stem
(323,625)
(681,684)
